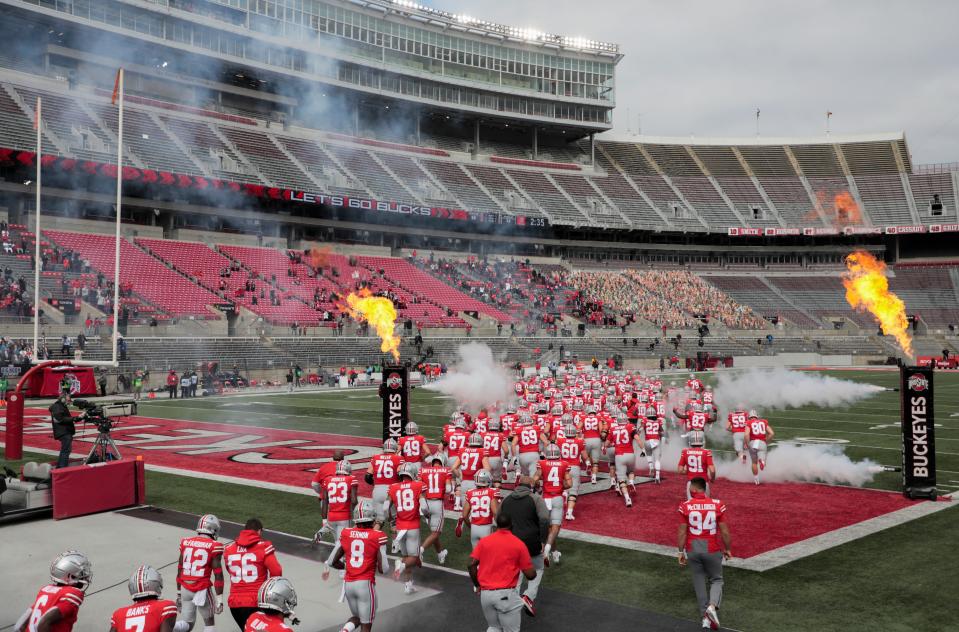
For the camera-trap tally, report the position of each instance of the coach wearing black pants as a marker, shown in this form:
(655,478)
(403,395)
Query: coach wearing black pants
(530,520)
(63,428)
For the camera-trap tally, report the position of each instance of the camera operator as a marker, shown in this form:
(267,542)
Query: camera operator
(63,427)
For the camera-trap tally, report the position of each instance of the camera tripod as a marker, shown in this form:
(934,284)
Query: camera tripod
(103,450)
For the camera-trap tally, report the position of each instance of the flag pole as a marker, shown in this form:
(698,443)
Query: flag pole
(116,252)
(37,261)
(828,116)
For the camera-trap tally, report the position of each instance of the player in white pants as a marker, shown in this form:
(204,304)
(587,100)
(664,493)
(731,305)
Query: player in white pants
(360,594)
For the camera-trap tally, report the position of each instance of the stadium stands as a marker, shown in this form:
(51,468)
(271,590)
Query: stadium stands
(639,185)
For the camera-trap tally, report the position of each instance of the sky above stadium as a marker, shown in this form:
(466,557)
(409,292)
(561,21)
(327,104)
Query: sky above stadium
(701,68)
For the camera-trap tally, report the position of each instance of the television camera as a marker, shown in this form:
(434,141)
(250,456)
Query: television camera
(104,416)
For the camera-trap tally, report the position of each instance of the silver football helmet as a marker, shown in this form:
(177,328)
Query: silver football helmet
(145,582)
(475,441)
(277,594)
(438,456)
(412,429)
(72,568)
(363,512)
(570,430)
(209,525)
(495,425)
(406,469)
(390,446)
(753,414)
(552,451)
(343,468)
(697,438)
(483,478)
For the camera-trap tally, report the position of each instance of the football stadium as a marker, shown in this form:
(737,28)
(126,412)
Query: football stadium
(369,314)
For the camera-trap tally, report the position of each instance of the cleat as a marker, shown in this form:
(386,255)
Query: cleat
(556,555)
(528,606)
(408,588)
(398,571)
(441,556)
(629,501)
(712,616)
(396,546)
(706,624)
(592,479)
(570,516)
(756,480)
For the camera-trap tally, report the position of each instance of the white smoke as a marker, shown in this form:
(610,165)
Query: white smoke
(476,380)
(785,462)
(778,389)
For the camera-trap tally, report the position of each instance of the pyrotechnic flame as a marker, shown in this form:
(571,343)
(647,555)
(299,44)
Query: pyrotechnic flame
(867,290)
(378,312)
(319,257)
(840,209)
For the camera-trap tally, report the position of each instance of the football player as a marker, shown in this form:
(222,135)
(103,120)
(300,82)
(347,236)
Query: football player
(381,474)
(274,604)
(413,448)
(653,429)
(704,542)
(758,434)
(471,460)
(199,570)
(572,450)
(436,478)
(623,438)
(526,446)
(405,496)
(553,473)
(494,442)
(367,555)
(697,462)
(340,498)
(482,503)
(57,604)
(594,431)
(736,424)
(147,613)
(250,561)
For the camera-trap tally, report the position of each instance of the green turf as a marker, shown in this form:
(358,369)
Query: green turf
(358,413)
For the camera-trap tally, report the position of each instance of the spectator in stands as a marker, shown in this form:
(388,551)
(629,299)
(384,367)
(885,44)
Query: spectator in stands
(66,346)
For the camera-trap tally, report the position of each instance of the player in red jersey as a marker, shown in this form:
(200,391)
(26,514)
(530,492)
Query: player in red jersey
(455,443)
(480,508)
(494,445)
(526,446)
(57,604)
(623,438)
(736,424)
(323,473)
(341,498)
(697,461)
(250,561)
(594,434)
(553,473)
(405,496)
(704,542)
(362,553)
(147,613)
(572,449)
(695,417)
(437,479)
(413,448)
(199,577)
(382,473)
(471,460)
(758,434)
(654,430)
(274,604)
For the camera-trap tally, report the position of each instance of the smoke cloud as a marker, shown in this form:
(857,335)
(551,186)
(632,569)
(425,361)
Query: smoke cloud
(476,380)
(802,462)
(778,389)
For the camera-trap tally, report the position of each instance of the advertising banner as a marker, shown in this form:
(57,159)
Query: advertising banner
(918,432)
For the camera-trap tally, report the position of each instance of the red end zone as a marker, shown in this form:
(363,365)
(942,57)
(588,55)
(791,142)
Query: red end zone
(762,518)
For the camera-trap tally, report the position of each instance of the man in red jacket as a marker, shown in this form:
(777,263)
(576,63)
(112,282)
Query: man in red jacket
(250,561)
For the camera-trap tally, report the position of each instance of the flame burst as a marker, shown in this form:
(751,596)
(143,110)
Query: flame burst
(867,290)
(320,257)
(378,312)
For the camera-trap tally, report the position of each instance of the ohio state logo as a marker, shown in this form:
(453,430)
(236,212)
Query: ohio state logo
(918,382)
(74,383)
(394,381)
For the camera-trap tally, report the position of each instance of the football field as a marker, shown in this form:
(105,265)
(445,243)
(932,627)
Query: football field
(886,578)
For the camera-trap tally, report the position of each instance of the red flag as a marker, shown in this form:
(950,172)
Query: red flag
(116,88)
